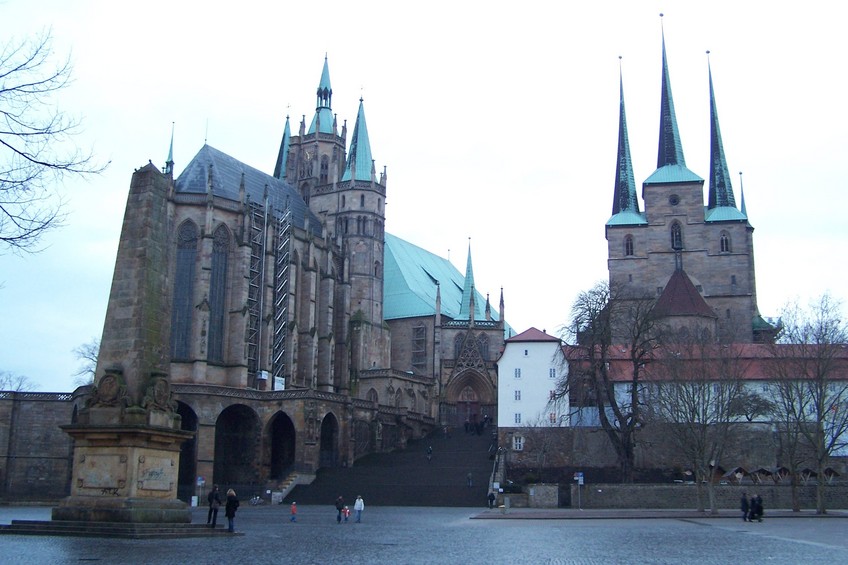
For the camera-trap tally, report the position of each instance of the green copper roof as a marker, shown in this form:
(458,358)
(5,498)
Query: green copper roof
(467,290)
(720,189)
(323,120)
(723,214)
(627,218)
(672,173)
(359,161)
(283,155)
(625,185)
(670,147)
(410,281)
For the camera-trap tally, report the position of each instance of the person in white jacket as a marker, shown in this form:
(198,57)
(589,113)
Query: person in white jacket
(358,507)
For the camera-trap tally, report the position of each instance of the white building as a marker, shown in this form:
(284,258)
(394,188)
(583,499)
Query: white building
(528,372)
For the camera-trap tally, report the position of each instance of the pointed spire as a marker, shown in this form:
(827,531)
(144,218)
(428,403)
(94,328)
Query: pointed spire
(720,189)
(169,164)
(359,161)
(742,196)
(323,120)
(467,304)
(625,184)
(283,155)
(670,148)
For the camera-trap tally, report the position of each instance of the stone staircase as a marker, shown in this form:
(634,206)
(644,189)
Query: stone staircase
(406,478)
(111,530)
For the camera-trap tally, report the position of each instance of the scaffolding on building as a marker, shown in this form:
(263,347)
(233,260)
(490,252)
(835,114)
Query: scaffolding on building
(281,298)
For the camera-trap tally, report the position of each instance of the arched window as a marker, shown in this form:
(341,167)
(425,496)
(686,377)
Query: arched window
(325,168)
(628,245)
(183,306)
(218,292)
(378,272)
(362,201)
(483,345)
(457,345)
(343,200)
(373,396)
(725,242)
(676,235)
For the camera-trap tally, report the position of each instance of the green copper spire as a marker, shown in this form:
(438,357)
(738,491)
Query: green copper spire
(467,289)
(625,183)
(283,155)
(720,190)
(323,120)
(670,148)
(169,163)
(359,162)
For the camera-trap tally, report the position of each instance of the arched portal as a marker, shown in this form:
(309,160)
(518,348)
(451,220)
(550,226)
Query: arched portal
(329,441)
(469,397)
(188,454)
(280,446)
(237,433)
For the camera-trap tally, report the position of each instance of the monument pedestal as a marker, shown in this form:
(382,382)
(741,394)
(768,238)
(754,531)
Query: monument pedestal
(125,473)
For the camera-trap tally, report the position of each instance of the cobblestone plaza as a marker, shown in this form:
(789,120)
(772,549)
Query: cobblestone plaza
(451,535)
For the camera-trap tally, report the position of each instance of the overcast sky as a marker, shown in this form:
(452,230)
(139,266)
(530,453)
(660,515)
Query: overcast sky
(496,122)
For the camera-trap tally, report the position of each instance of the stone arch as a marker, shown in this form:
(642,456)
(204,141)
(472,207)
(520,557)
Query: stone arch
(280,445)
(468,396)
(188,454)
(373,396)
(329,450)
(237,437)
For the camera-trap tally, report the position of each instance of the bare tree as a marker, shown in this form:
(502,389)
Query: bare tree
(87,354)
(696,389)
(15,383)
(608,325)
(36,149)
(811,366)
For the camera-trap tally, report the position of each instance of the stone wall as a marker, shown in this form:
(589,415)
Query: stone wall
(676,496)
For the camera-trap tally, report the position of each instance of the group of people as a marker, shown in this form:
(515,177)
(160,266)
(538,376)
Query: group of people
(343,512)
(230,507)
(232,504)
(752,509)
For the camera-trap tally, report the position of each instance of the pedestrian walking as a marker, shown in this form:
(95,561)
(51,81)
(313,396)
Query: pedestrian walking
(429,454)
(214,499)
(757,507)
(745,506)
(230,510)
(358,507)
(468,481)
(339,507)
(294,512)
(491,499)
(346,513)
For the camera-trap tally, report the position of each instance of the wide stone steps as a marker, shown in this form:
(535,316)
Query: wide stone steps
(111,530)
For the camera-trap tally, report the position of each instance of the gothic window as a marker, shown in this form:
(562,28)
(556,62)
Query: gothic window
(325,168)
(457,346)
(419,349)
(725,242)
(343,200)
(628,245)
(373,396)
(378,270)
(217,293)
(676,235)
(181,312)
(468,395)
(362,201)
(483,344)
(398,399)
(379,204)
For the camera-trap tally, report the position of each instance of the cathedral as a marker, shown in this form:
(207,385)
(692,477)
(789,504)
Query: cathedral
(696,261)
(302,335)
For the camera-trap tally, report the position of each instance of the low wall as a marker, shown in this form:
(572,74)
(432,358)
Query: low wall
(675,496)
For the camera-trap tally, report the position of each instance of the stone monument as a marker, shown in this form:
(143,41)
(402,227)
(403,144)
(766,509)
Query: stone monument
(127,437)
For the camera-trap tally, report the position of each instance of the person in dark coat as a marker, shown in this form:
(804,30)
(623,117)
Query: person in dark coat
(214,499)
(757,508)
(339,507)
(745,507)
(230,510)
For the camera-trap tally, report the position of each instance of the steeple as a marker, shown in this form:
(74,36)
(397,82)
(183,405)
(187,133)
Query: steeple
(283,155)
(625,205)
(323,120)
(670,148)
(169,164)
(360,165)
(720,190)
(742,196)
(465,308)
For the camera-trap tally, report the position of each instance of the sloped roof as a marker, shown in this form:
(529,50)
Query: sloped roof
(225,174)
(681,298)
(410,278)
(672,173)
(532,334)
(628,218)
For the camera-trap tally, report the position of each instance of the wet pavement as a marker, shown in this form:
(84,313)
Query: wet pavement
(460,535)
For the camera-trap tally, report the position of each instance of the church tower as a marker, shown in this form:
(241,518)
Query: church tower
(712,245)
(342,188)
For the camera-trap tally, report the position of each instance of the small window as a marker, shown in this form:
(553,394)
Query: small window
(362,201)
(674,200)
(733,280)
(552,373)
(517,443)
(518,395)
(725,242)
(628,245)
(553,395)
(517,373)
(525,353)
(552,417)
(518,417)
(343,200)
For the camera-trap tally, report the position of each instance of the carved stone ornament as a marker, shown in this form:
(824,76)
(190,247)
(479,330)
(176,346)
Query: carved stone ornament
(158,395)
(111,390)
